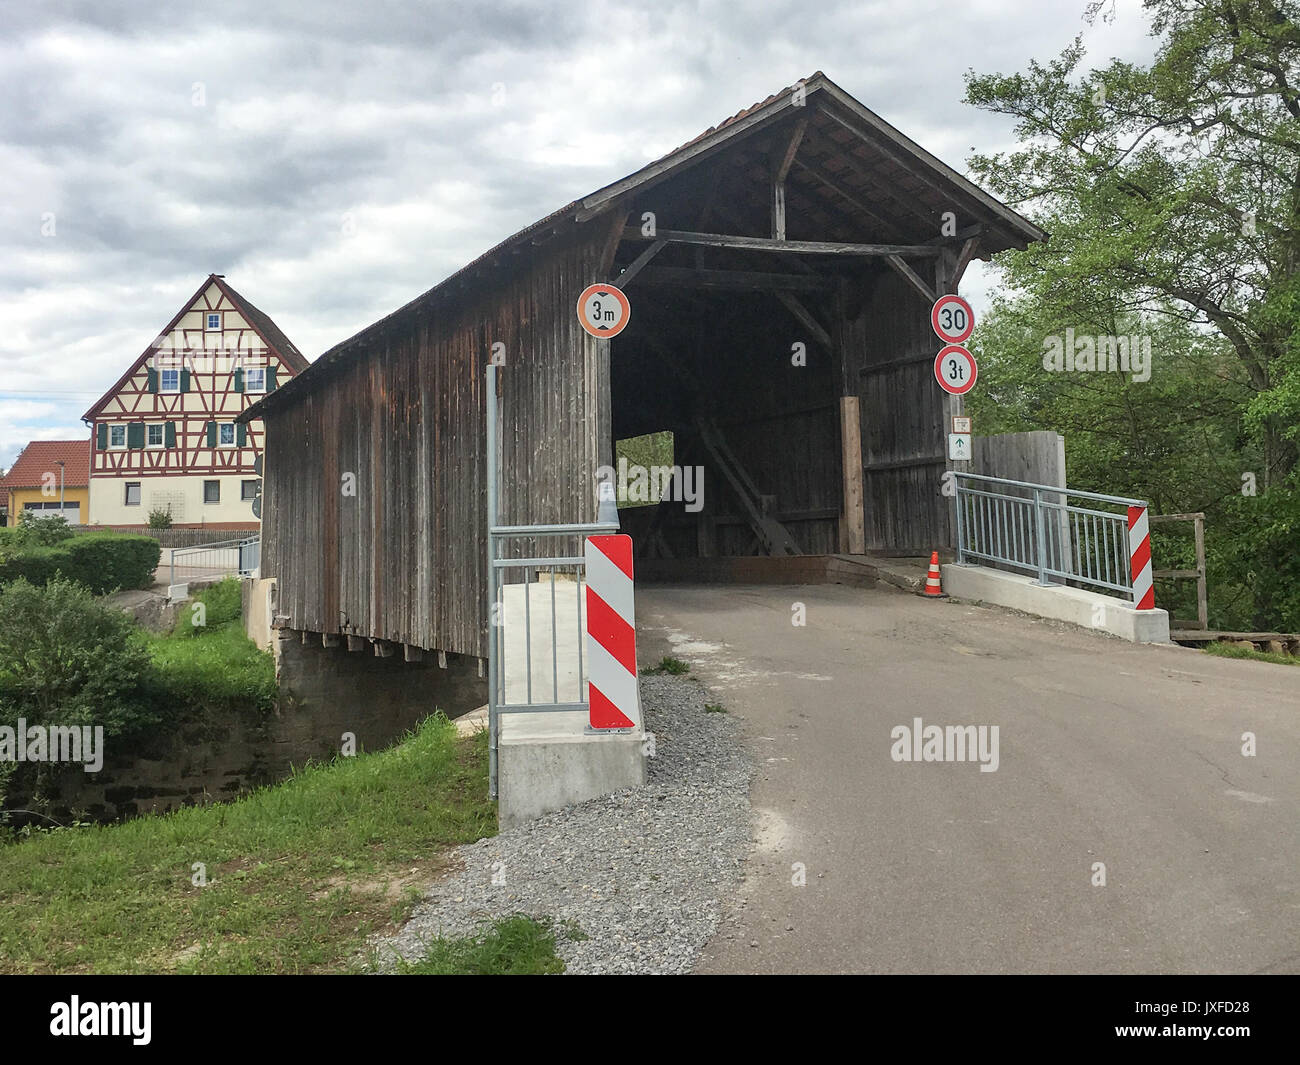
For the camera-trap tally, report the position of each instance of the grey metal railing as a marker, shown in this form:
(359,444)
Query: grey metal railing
(222,558)
(1036,527)
(526,670)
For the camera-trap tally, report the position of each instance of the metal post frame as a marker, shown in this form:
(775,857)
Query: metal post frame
(498,564)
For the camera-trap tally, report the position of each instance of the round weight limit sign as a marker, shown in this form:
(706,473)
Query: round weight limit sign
(603,311)
(952,319)
(955,370)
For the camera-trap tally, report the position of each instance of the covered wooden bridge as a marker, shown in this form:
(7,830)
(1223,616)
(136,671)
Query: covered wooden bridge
(780,269)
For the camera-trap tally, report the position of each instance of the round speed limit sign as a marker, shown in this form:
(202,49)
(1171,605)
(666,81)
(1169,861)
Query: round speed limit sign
(955,370)
(603,310)
(952,319)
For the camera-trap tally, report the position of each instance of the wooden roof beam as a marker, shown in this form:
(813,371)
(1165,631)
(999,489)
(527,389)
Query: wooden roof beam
(744,280)
(950,191)
(638,264)
(912,278)
(874,187)
(781,162)
(805,318)
(799,247)
(824,177)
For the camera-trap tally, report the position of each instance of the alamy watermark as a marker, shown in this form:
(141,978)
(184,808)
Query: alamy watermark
(1106,354)
(651,484)
(53,743)
(946,743)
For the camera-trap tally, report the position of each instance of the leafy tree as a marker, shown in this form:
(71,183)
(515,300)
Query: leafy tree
(1172,196)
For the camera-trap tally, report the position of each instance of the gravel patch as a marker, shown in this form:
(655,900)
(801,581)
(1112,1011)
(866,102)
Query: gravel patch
(642,873)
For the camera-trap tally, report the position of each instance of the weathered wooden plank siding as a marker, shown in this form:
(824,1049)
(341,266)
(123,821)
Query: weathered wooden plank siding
(902,411)
(404,559)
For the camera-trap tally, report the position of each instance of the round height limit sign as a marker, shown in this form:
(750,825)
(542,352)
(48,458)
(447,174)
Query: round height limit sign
(603,310)
(954,366)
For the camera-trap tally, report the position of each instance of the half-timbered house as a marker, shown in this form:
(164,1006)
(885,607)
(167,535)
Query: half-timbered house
(165,436)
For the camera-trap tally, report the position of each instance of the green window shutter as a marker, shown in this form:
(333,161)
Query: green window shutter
(212,434)
(169,434)
(151,379)
(185,380)
(241,434)
(239,380)
(101,436)
(135,434)
(270,377)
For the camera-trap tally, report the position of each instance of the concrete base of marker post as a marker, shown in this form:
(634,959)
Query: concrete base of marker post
(546,762)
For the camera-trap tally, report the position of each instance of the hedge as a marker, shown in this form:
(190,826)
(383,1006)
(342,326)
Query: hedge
(100,561)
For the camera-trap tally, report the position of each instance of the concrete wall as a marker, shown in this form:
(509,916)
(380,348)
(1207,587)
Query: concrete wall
(375,698)
(1078,606)
(258,611)
(324,692)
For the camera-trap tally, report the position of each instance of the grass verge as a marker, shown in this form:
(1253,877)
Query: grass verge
(512,946)
(298,875)
(1224,650)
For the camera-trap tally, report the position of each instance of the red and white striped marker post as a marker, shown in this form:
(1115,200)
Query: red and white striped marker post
(611,634)
(1139,549)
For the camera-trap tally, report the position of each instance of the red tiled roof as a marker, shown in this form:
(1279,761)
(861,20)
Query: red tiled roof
(746,111)
(42,456)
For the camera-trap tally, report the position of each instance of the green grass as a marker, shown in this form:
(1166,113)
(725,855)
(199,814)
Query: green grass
(298,874)
(512,946)
(223,667)
(673,666)
(222,603)
(1224,650)
(214,664)
(714,708)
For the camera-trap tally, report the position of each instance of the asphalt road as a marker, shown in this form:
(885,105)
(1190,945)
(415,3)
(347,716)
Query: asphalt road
(1108,752)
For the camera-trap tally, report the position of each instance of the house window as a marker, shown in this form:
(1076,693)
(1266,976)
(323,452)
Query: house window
(255,380)
(212,491)
(170,380)
(155,435)
(117,436)
(214,321)
(132,493)
(247,491)
(226,434)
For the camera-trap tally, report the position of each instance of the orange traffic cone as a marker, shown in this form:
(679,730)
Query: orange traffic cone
(933,584)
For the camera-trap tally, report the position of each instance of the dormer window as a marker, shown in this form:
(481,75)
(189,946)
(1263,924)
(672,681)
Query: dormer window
(214,322)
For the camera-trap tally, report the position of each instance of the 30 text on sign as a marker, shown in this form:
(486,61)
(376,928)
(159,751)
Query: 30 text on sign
(603,310)
(952,319)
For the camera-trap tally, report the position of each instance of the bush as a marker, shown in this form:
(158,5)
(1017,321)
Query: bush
(160,519)
(101,562)
(32,531)
(68,659)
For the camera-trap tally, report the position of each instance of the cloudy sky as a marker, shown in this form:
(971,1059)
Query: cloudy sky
(334,159)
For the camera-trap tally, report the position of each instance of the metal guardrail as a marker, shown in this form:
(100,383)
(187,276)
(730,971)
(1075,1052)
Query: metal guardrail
(222,558)
(1035,527)
(571,565)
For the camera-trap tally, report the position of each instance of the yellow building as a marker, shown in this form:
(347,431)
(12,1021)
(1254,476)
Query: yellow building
(49,477)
